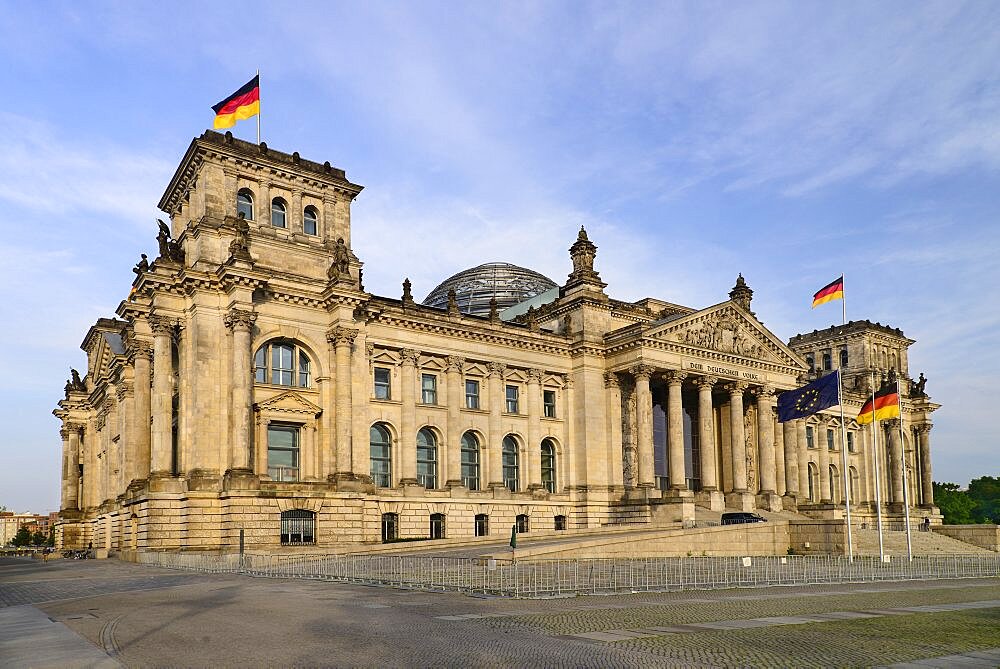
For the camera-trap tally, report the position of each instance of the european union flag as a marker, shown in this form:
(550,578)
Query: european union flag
(807,400)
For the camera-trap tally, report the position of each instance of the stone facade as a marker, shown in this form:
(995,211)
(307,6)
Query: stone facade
(250,384)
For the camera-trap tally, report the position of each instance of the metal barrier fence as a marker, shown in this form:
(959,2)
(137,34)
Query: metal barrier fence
(552,578)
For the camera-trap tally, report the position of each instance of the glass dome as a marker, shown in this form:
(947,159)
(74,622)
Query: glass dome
(475,287)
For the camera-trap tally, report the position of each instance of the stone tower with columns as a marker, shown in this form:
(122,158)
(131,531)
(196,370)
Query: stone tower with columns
(250,383)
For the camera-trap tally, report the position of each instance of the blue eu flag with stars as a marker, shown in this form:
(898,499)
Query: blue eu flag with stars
(807,400)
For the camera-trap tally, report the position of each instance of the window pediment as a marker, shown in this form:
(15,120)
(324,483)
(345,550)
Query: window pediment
(289,404)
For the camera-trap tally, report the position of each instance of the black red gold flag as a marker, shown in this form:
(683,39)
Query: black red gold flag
(883,406)
(831,291)
(243,104)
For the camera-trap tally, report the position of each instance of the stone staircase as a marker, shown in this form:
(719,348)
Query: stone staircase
(923,543)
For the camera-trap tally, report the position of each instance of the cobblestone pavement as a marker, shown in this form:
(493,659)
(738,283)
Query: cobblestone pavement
(155,617)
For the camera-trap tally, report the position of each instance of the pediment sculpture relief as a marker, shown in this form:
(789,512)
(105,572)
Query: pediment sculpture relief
(721,333)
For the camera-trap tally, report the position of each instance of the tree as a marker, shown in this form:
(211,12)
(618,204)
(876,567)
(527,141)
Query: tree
(38,538)
(23,536)
(51,541)
(985,493)
(956,505)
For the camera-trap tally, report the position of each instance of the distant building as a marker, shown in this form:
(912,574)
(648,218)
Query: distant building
(250,382)
(11,522)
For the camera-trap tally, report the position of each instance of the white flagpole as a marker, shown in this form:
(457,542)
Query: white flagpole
(902,463)
(843,437)
(878,478)
(258,106)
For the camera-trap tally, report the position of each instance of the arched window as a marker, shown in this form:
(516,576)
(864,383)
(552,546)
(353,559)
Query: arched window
(521,523)
(278,209)
(853,472)
(282,363)
(437,526)
(834,485)
(298,526)
(843,357)
(427,459)
(244,204)
(560,523)
(811,362)
(813,482)
(470,461)
(827,361)
(482,525)
(510,468)
(380,445)
(390,527)
(310,221)
(549,465)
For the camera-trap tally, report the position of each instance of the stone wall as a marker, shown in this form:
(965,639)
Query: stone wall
(984,536)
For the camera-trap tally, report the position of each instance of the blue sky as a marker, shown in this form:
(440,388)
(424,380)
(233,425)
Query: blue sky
(787,141)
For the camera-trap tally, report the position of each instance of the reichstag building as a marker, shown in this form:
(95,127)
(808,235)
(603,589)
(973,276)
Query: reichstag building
(250,383)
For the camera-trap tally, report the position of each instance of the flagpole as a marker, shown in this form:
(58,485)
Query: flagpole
(843,436)
(902,464)
(878,478)
(258,106)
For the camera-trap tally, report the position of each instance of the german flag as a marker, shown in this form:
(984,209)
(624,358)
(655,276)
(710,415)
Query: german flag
(883,406)
(241,105)
(831,291)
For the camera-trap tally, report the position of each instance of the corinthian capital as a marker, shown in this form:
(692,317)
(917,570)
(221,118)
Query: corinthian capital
(737,387)
(240,319)
(162,325)
(456,363)
(496,369)
(611,380)
(674,378)
(535,375)
(764,392)
(706,381)
(641,371)
(410,356)
(339,335)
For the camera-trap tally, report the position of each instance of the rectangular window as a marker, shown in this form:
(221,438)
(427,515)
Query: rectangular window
(471,394)
(830,445)
(549,403)
(809,437)
(283,452)
(512,399)
(850,442)
(281,365)
(382,383)
(428,389)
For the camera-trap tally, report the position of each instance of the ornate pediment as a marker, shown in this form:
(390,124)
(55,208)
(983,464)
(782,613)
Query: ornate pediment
(725,329)
(289,403)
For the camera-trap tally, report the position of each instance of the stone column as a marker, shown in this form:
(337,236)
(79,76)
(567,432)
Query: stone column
(675,431)
(644,425)
(495,373)
(161,409)
(613,398)
(926,489)
(896,462)
(455,381)
(140,451)
(64,498)
(803,452)
(823,451)
(791,438)
(240,321)
(779,454)
(72,496)
(706,441)
(408,422)
(342,339)
(740,498)
(534,449)
(765,448)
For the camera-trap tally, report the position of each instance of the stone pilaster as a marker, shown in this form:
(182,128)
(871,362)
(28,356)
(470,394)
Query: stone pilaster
(823,459)
(896,464)
(241,321)
(644,425)
(779,454)
(456,394)
(161,442)
(342,339)
(802,448)
(613,399)
(791,439)
(139,454)
(495,396)
(408,423)
(533,461)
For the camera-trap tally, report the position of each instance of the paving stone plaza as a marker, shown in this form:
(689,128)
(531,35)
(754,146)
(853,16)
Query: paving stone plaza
(105,613)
